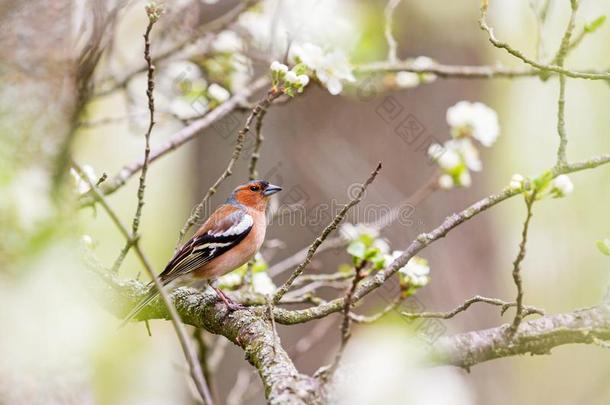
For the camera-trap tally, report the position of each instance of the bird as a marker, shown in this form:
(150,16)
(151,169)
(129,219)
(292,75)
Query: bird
(228,239)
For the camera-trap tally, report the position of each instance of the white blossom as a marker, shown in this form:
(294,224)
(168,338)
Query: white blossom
(456,157)
(262,283)
(273,24)
(231,280)
(352,232)
(332,69)
(218,93)
(562,185)
(278,67)
(435,150)
(407,79)
(417,271)
(227,41)
(424,62)
(445,182)
(88,241)
(465,179)
(291,77)
(449,159)
(382,245)
(303,80)
(516,182)
(469,153)
(474,119)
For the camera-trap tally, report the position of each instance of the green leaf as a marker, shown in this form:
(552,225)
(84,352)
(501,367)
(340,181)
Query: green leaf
(357,249)
(366,239)
(604,246)
(259,266)
(595,24)
(543,181)
(300,69)
(379,262)
(371,253)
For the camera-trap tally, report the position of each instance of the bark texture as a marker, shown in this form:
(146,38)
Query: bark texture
(249,329)
(536,336)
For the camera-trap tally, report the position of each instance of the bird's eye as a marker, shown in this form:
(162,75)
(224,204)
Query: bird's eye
(254,188)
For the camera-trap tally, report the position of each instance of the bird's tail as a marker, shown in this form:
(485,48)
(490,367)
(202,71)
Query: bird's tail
(151,295)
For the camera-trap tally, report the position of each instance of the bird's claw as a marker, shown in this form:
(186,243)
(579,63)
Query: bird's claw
(234,306)
(231,305)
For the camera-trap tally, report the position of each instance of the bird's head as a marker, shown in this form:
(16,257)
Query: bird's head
(255,193)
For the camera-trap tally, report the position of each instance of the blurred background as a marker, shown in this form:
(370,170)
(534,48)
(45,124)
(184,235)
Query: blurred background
(60,345)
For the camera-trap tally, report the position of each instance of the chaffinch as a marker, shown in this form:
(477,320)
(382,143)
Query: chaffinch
(228,239)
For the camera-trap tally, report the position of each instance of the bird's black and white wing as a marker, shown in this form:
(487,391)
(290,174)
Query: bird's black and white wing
(219,236)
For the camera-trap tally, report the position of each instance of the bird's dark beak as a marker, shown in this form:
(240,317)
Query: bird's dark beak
(271,189)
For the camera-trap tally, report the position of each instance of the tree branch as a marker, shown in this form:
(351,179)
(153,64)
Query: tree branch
(153,11)
(529,202)
(422,241)
(526,310)
(256,112)
(320,239)
(247,329)
(449,71)
(589,75)
(537,336)
(204,33)
(184,135)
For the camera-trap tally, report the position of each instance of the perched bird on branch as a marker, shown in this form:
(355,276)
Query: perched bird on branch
(228,239)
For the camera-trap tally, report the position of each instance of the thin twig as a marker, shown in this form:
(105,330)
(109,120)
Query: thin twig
(589,75)
(564,46)
(300,256)
(204,357)
(261,106)
(392,44)
(135,225)
(561,124)
(529,202)
(99,198)
(306,279)
(411,202)
(310,288)
(346,322)
(258,143)
(559,60)
(204,33)
(527,310)
(540,21)
(449,71)
(178,139)
(422,241)
(189,352)
(374,318)
(320,239)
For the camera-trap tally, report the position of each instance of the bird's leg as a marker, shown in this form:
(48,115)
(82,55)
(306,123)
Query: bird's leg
(232,305)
